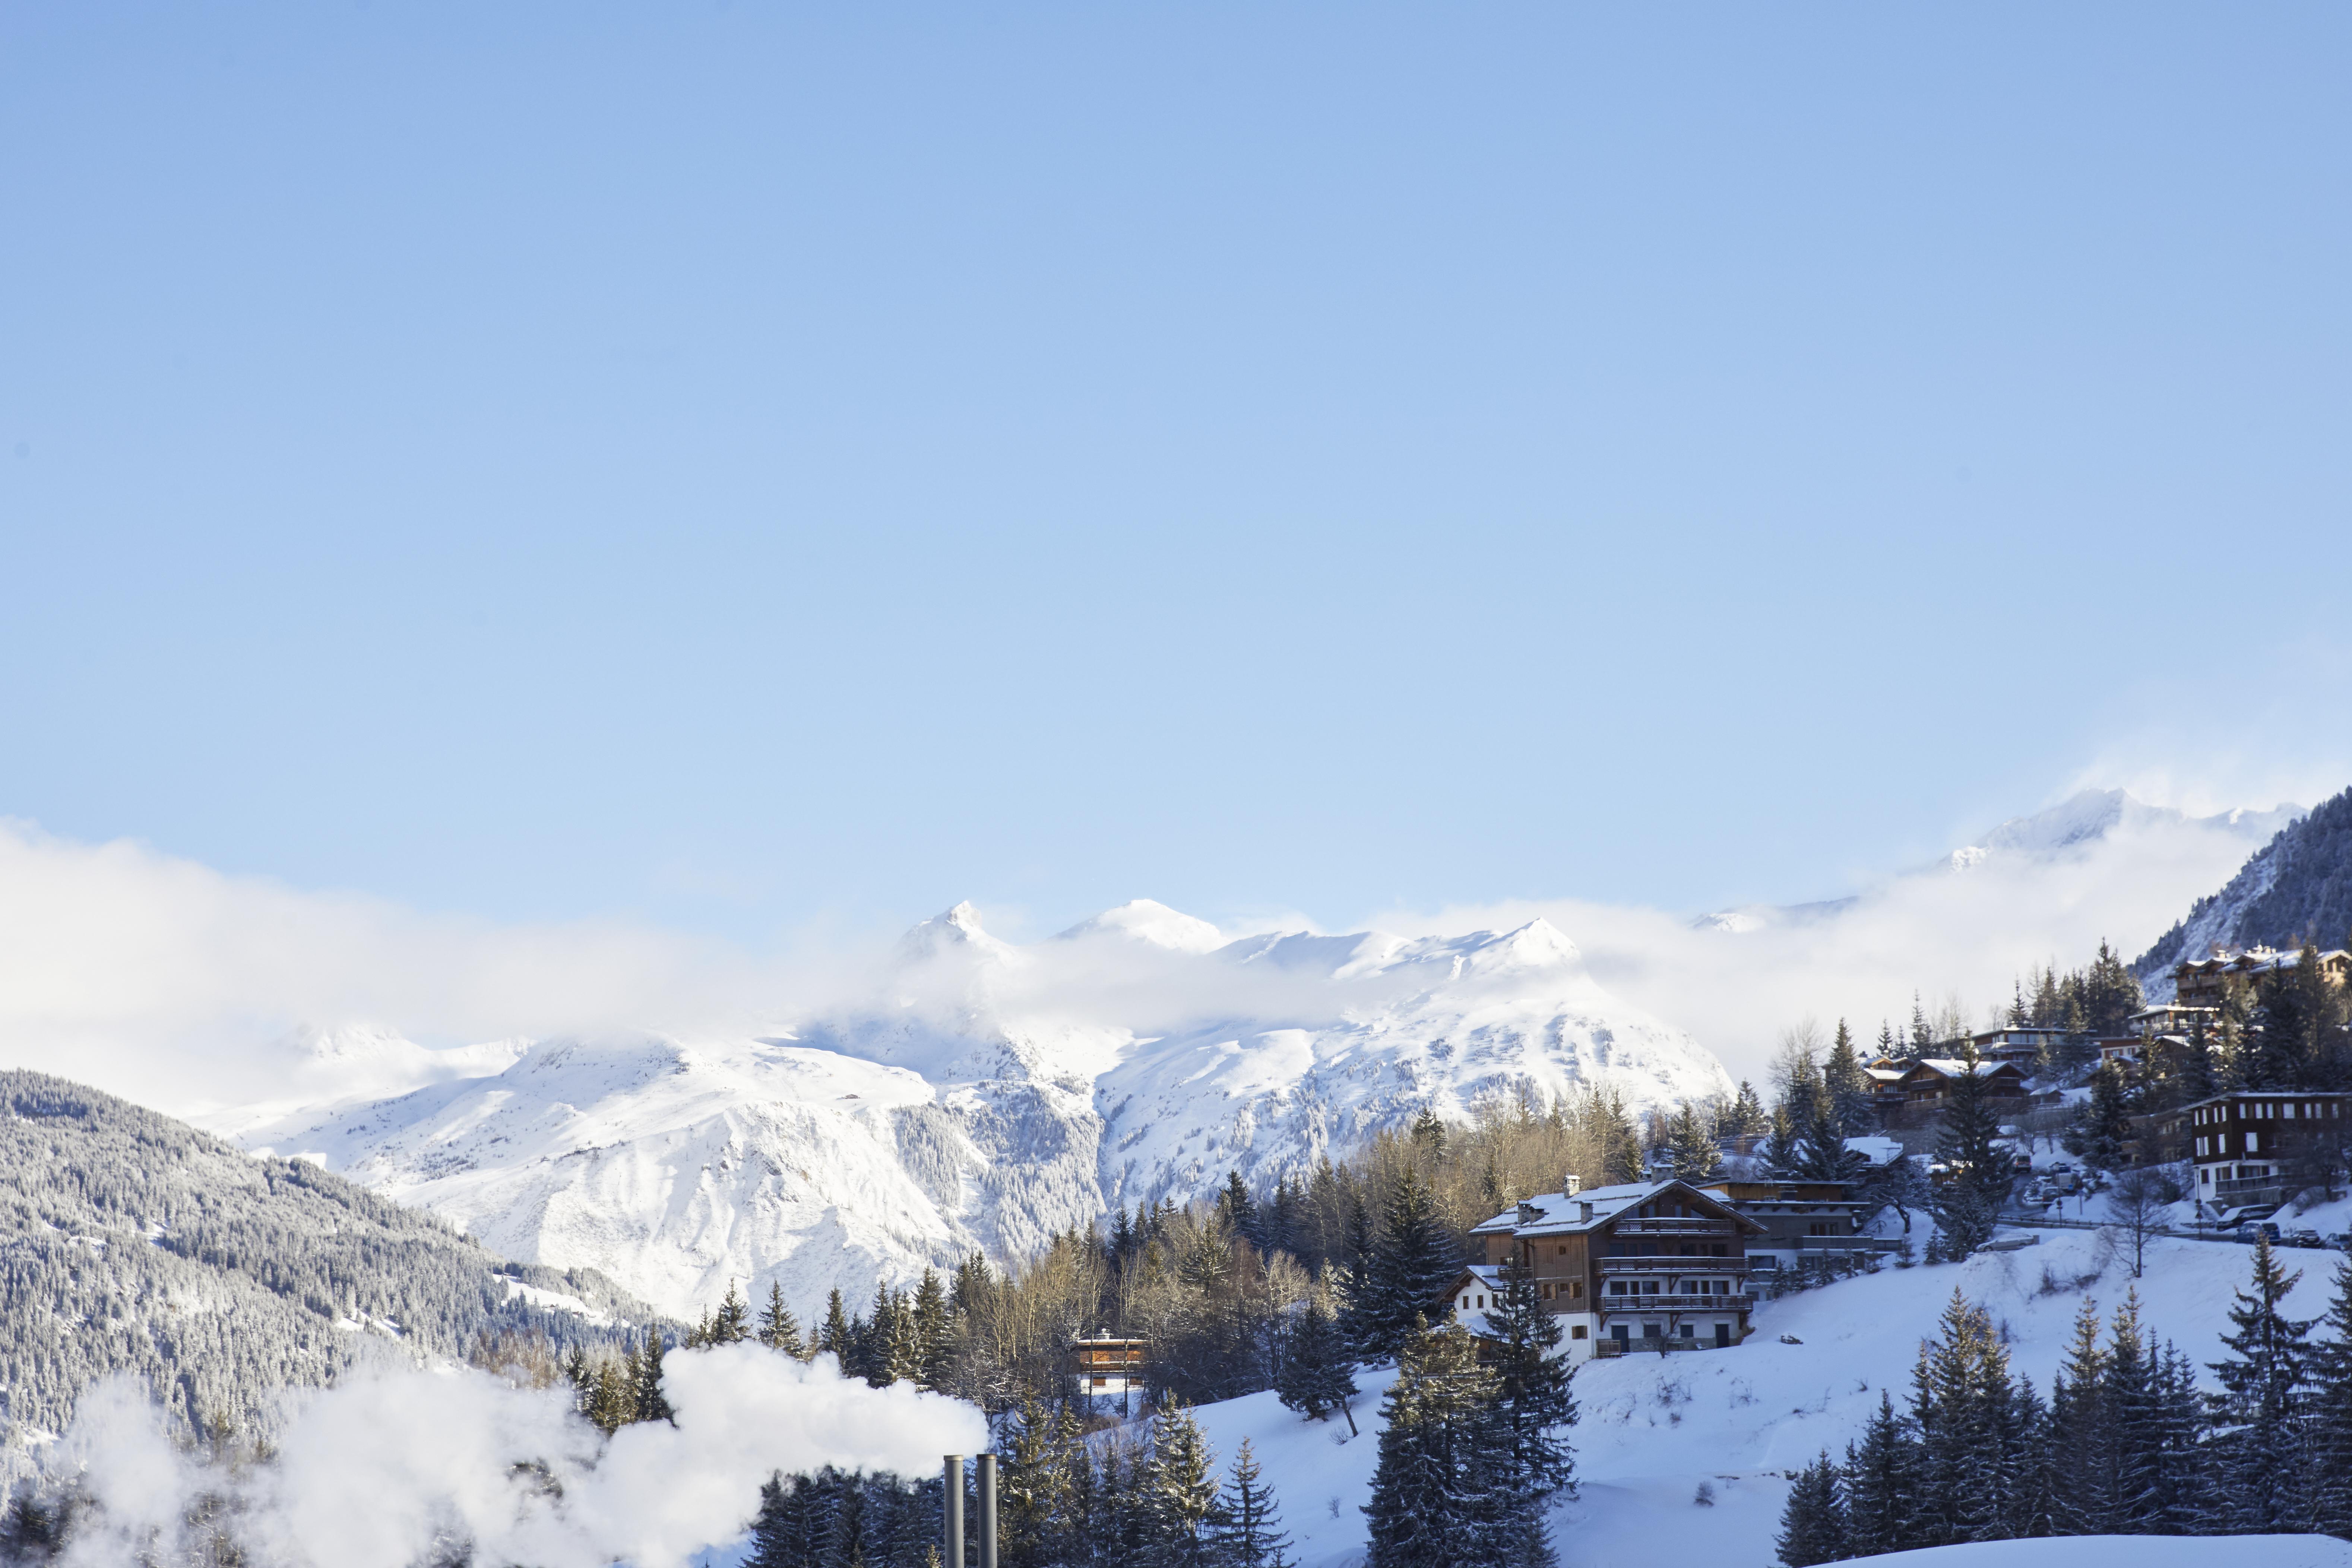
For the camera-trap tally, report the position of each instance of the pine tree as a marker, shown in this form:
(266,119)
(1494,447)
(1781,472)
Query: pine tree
(651,1403)
(1534,1406)
(2328,1413)
(1691,1146)
(1881,1486)
(1746,1118)
(835,1338)
(2262,1458)
(1178,1493)
(1239,1209)
(1851,1098)
(932,1326)
(1247,1528)
(779,1329)
(2102,1128)
(1317,1374)
(1430,1505)
(1415,1263)
(782,1531)
(1975,1443)
(2082,1478)
(613,1404)
(731,1324)
(1969,1144)
(1812,1522)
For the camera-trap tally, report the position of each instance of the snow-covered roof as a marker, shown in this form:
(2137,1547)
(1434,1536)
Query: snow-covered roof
(1952,1066)
(1557,1214)
(1877,1150)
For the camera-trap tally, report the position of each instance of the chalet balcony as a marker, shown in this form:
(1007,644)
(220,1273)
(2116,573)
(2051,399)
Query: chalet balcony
(1674,1266)
(1675,1228)
(1637,1306)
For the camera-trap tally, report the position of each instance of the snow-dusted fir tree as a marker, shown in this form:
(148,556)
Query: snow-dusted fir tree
(1881,1486)
(1246,1529)
(779,1329)
(2328,1413)
(1812,1522)
(1434,1501)
(1318,1373)
(1414,1262)
(1976,1430)
(1534,1405)
(1691,1146)
(2260,1449)
(1969,1144)
(2082,1452)
(1176,1494)
(651,1402)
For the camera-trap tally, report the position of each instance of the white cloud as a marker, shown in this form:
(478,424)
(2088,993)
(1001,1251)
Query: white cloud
(372,1473)
(182,988)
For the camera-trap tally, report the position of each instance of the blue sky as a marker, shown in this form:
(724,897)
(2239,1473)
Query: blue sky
(742,466)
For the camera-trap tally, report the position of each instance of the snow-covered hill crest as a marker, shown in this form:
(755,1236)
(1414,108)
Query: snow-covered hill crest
(990,1095)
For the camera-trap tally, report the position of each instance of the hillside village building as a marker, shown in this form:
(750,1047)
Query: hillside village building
(2202,982)
(2249,1147)
(1642,1265)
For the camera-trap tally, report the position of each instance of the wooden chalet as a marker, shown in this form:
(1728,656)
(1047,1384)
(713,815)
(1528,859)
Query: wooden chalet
(2253,1147)
(2202,982)
(1645,1266)
(1930,1080)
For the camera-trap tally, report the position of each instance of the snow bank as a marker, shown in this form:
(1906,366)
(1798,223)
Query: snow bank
(2135,1551)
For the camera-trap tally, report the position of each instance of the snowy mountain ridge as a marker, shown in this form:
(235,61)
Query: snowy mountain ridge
(990,1095)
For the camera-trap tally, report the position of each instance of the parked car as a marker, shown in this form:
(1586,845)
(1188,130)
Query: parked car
(2303,1238)
(2247,1233)
(2341,1240)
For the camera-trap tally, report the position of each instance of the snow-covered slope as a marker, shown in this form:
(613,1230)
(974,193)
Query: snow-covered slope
(1653,1429)
(990,1095)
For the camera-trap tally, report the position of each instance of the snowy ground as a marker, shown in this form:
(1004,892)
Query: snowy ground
(1653,1428)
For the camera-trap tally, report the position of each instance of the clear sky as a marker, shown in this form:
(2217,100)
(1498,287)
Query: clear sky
(739,466)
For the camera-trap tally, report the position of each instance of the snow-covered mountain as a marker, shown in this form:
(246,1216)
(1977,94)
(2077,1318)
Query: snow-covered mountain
(990,1095)
(2297,885)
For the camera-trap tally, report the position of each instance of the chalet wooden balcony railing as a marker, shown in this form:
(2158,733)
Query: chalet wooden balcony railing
(1674,1266)
(1630,1306)
(1674,1228)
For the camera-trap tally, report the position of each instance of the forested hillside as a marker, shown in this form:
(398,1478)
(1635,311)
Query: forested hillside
(130,1242)
(2296,888)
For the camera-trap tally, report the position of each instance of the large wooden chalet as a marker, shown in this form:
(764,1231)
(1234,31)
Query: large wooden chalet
(1645,1266)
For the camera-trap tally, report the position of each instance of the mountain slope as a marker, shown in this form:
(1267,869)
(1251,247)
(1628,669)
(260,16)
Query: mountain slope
(989,1096)
(132,1242)
(2297,886)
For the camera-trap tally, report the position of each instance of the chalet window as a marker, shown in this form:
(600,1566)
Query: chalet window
(1482,1300)
(1577,1332)
(1563,1249)
(1546,1292)
(2290,1110)
(1575,1288)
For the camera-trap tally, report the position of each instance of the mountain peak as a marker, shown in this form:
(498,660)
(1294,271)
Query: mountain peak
(1147,920)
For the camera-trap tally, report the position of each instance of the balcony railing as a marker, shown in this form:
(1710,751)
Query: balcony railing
(1674,1228)
(1674,1266)
(1632,1306)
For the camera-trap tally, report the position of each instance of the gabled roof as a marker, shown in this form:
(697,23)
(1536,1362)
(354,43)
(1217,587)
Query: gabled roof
(1952,1066)
(1556,1213)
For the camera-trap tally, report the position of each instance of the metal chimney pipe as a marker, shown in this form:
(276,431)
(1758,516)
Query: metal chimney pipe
(988,1510)
(951,1510)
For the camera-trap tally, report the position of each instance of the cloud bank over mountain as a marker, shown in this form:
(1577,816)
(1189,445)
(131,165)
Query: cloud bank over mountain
(185,988)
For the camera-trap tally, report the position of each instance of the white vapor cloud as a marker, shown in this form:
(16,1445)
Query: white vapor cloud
(376,1473)
(186,989)
(1943,934)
